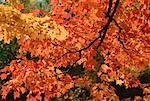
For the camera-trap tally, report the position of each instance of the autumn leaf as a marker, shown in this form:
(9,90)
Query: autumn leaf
(3,76)
(146,90)
(35,12)
(16,94)
(69,85)
(105,68)
(38,97)
(20,6)
(119,82)
(5,90)
(81,60)
(23,90)
(73,32)
(54,2)
(5,69)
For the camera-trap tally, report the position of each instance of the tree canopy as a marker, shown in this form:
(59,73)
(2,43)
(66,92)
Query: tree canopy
(79,45)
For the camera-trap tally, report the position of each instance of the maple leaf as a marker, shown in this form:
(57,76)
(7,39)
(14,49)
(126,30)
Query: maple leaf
(5,69)
(72,34)
(3,76)
(35,12)
(119,82)
(23,90)
(54,2)
(5,91)
(146,90)
(16,94)
(20,6)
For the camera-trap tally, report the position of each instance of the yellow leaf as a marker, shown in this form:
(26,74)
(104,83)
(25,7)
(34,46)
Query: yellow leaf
(119,82)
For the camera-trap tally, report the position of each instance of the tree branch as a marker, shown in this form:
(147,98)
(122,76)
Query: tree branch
(103,30)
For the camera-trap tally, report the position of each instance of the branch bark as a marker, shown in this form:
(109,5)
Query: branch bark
(103,30)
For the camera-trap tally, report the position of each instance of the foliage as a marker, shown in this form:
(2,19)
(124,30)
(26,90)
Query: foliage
(144,75)
(80,45)
(8,52)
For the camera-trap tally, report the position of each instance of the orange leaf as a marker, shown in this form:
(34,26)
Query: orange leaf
(54,2)
(3,76)
(16,94)
(70,85)
(5,69)
(38,97)
(23,90)
(20,6)
(36,11)
(81,60)
(5,91)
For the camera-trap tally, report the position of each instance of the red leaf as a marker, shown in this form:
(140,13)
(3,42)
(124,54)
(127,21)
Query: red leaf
(20,6)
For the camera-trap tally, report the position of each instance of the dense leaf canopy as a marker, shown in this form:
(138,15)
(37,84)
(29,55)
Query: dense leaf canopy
(109,39)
